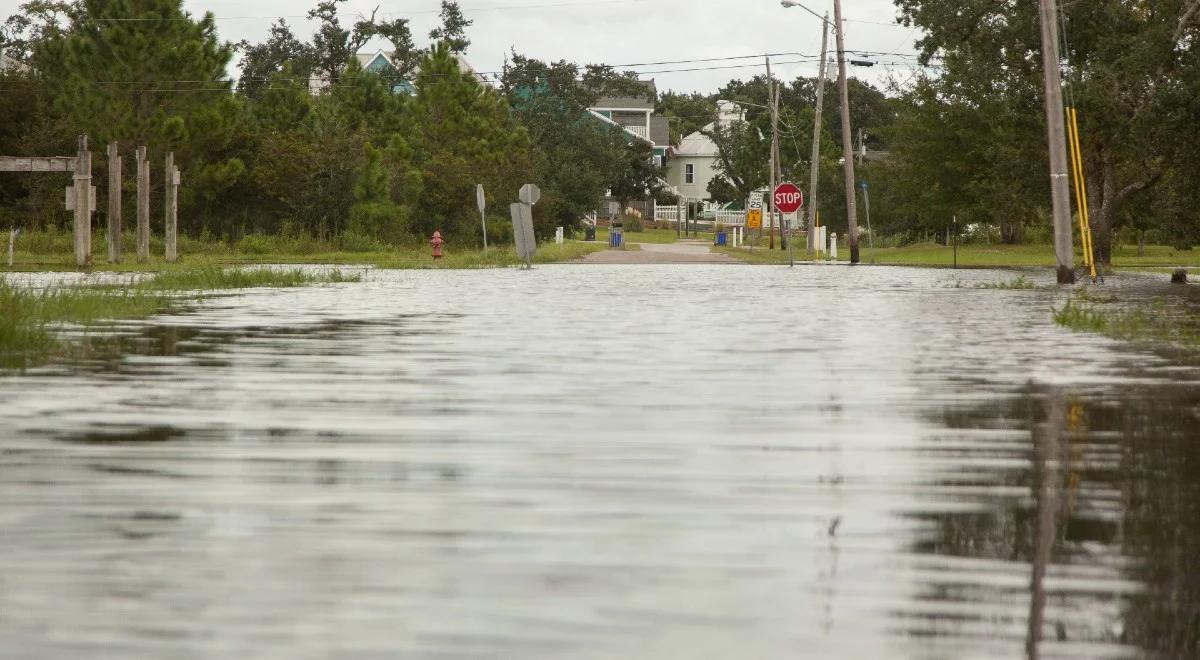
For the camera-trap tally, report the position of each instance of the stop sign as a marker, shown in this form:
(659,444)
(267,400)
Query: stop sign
(788,198)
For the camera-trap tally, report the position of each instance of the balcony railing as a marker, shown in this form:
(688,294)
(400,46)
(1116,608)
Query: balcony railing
(639,131)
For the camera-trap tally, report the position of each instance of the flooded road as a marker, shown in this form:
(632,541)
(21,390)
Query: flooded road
(606,462)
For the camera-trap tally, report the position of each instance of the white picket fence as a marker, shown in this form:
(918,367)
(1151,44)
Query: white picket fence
(673,213)
(738,219)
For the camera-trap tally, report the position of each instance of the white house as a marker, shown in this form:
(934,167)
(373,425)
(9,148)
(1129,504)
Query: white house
(8,62)
(695,161)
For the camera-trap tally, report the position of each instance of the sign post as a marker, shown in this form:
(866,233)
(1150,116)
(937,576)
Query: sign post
(788,199)
(481,202)
(867,204)
(754,213)
(522,220)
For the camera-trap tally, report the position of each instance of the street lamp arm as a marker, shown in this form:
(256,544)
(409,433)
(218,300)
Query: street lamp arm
(792,3)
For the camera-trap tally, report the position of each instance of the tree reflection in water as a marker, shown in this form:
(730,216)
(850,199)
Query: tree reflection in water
(1111,530)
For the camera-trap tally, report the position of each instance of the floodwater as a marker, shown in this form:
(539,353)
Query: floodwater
(606,462)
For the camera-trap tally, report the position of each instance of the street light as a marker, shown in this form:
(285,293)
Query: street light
(847,148)
(793,3)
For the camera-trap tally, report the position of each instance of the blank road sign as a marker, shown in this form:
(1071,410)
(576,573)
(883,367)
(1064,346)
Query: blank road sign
(522,221)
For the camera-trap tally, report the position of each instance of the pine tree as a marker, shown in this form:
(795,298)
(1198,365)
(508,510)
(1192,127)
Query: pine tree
(374,215)
(462,135)
(453,30)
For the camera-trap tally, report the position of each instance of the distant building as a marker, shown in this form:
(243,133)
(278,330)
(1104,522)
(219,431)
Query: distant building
(696,160)
(10,63)
(636,116)
(382,63)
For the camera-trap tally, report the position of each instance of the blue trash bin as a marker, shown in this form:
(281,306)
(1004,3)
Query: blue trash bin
(722,239)
(616,238)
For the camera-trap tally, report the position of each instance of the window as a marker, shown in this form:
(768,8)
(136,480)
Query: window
(689,173)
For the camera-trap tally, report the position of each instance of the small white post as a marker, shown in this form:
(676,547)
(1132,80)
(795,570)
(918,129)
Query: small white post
(833,247)
(12,244)
(558,236)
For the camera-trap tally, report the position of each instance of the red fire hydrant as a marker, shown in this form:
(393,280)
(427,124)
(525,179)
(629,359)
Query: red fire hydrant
(437,243)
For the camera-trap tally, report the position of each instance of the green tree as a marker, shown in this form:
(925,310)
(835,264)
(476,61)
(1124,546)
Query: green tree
(1131,70)
(373,213)
(453,29)
(462,135)
(575,155)
(262,63)
(687,113)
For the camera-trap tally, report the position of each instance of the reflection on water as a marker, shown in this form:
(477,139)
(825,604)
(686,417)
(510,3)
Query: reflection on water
(605,462)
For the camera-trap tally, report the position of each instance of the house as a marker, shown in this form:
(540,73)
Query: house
(382,63)
(9,63)
(696,159)
(635,115)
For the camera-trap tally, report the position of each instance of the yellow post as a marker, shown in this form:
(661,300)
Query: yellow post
(1075,179)
(1085,219)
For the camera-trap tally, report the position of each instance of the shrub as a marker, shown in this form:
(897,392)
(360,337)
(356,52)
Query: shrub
(351,241)
(254,244)
(634,224)
(380,220)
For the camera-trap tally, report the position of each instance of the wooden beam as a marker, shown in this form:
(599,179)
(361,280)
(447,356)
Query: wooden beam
(143,206)
(37,164)
(114,203)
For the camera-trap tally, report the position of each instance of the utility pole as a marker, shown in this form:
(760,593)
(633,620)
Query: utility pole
(1064,252)
(774,137)
(867,208)
(847,147)
(815,167)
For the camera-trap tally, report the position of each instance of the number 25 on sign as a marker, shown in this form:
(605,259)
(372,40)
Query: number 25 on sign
(754,219)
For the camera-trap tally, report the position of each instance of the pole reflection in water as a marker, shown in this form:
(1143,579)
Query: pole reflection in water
(1047,493)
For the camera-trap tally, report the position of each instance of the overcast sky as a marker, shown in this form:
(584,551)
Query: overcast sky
(618,32)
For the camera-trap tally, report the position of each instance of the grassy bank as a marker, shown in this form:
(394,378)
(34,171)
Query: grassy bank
(979,256)
(30,319)
(41,251)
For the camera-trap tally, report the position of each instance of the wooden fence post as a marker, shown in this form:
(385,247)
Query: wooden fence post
(12,244)
(143,206)
(83,204)
(114,203)
(172,201)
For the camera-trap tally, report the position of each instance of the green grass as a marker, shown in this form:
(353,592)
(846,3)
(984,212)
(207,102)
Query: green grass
(211,278)
(1018,283)
(1158,320)
(29,318)
(52,251)
(980,256)
(646,236)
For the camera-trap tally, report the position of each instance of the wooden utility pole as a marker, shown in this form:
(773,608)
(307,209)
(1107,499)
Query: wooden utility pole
(143,206)
(83,204)
(847,147)
(777,169)
(1060,194)
(171,187)
(114,203)
(771,176)
(815,167)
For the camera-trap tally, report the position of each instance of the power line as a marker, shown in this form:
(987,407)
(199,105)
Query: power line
(486,8)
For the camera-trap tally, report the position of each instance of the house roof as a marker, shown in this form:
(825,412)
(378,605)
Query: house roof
(368,59)
(699,144)
(633,103)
